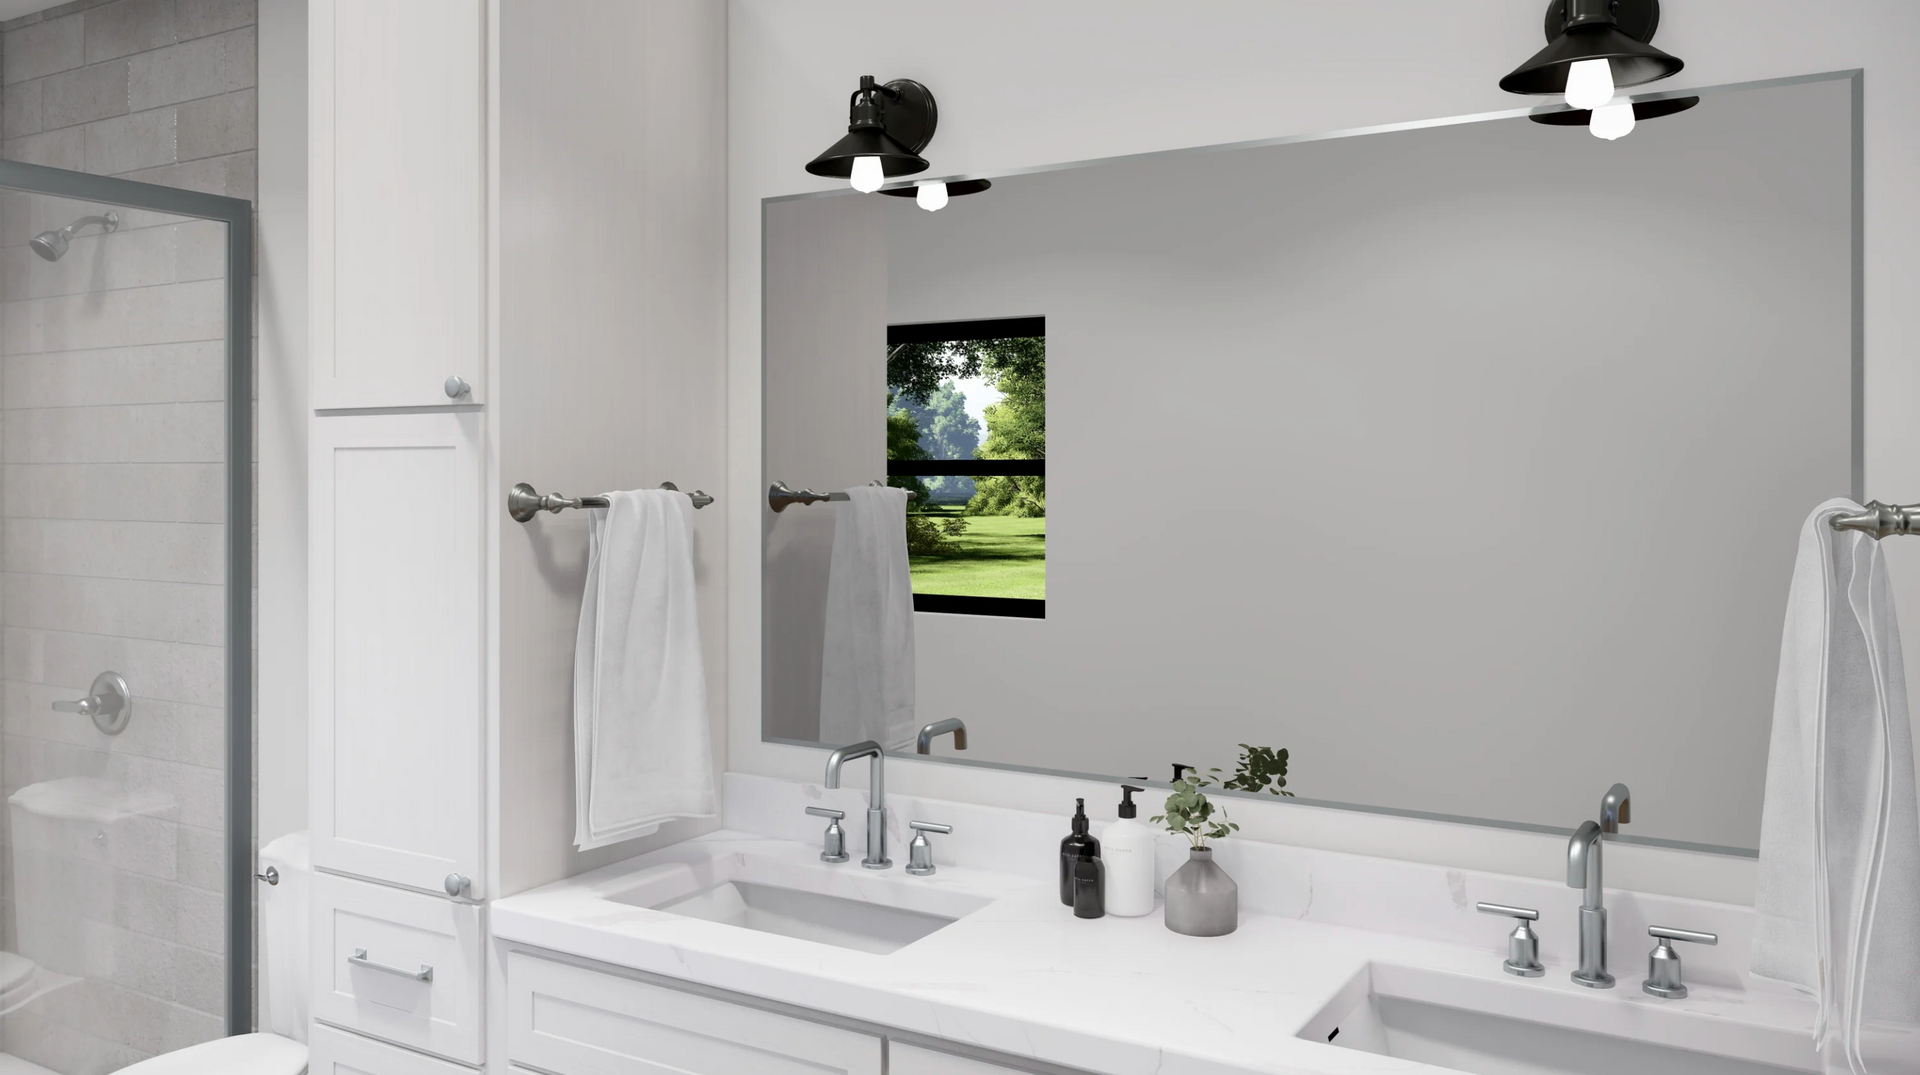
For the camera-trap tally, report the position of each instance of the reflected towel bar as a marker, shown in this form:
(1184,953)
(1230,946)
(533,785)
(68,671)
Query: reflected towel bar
(524,502)
(1881,520)
(779,495)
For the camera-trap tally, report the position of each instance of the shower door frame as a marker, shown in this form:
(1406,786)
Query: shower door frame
(237,214)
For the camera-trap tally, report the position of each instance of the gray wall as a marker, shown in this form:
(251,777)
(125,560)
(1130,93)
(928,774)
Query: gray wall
(113,538)
(1286,401)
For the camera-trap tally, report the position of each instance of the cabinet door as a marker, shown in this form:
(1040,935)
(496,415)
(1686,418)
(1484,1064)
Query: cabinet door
(336,1052)
(570,1019)
(397,637)
(397,112)
(913,1060)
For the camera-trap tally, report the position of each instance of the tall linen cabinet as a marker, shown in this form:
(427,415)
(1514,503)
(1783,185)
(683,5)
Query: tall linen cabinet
(518,274)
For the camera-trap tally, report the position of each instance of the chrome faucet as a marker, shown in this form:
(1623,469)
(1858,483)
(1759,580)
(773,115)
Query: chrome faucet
(1583,872)
(924,745)
(876,797)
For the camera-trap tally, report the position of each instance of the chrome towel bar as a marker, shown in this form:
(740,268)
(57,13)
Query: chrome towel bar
(524,502)
(1881,520)
(779,495)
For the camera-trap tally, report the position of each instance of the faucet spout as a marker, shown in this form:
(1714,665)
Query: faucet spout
(941,727)
(1584,873)
(876,796)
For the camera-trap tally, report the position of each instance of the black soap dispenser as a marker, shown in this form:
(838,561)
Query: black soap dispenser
(1080,844)
(1089,888)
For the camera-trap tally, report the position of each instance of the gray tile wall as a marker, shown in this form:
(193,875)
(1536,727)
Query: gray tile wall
(111,535)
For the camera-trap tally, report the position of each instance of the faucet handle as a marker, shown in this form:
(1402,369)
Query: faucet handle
(1663,963)
(835,849)
(1523,944)
(920,851)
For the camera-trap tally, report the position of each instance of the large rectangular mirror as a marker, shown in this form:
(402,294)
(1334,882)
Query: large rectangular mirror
(1465,462)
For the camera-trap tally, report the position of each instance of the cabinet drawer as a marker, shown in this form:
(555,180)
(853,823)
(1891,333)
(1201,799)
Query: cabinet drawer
(582,1022)
(913,1060)
(398,965)
(336,1052)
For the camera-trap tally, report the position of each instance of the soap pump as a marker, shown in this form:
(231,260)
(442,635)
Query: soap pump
(1127,850)
(1078,845)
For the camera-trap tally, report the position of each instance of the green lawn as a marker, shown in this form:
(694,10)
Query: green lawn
(1000,556)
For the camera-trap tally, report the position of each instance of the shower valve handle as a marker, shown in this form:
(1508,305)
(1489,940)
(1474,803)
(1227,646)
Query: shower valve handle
(109,703)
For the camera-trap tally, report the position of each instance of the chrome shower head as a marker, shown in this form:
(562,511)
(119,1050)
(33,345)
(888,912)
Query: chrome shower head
(52,245)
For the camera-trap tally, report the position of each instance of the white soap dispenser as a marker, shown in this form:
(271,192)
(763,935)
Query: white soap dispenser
(1127,848)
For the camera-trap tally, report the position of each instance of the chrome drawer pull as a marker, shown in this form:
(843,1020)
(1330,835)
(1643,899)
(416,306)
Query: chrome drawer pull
(359,959)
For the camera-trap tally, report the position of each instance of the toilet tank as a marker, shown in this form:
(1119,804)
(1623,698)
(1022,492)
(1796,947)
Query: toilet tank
(284,921)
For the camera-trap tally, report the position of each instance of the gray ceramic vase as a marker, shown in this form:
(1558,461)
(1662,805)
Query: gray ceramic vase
(1202,901)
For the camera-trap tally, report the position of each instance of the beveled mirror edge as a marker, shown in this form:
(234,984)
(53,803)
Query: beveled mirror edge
(1854,75)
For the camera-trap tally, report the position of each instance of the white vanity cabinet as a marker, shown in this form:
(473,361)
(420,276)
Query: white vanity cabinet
(573,1020)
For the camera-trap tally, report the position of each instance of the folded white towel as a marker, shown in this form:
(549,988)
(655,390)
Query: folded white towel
(640,733)
(866,663)
(1838,893)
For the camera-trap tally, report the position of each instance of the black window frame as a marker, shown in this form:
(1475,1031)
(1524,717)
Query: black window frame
(996,328)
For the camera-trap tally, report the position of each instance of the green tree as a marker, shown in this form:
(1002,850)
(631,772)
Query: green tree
(1016,426)
(947,431)
(925,537)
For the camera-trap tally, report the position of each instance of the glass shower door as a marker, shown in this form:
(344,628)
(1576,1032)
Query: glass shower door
(124,932)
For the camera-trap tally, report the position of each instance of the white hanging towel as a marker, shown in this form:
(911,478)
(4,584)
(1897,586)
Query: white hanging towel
(866,663)
(640,741)
(1838,893)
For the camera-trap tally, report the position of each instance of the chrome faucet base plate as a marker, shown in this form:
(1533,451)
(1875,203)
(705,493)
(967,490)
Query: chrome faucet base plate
(1665,992)
(883,864)
(1521,970)
(920,871)
(826,856)
(1602,980)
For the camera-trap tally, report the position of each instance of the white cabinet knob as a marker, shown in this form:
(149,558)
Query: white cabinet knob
(457,386)
(457,884)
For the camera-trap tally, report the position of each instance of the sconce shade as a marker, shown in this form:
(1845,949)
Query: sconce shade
(955,188)
(892,122)
(895,159)
(1633,62)
(1642,110)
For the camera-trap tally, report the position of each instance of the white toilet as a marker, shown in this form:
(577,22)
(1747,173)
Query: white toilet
(284,923)
(62,828)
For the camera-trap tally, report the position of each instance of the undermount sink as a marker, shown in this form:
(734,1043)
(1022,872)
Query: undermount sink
(1532,1028)
(843,905)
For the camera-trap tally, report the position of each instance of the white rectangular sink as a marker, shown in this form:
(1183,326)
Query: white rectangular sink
(1537,1027)
(841,905)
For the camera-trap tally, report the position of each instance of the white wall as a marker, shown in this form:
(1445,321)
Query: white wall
(1022,85)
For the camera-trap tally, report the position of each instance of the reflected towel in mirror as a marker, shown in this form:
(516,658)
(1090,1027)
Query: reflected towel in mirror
(866,665)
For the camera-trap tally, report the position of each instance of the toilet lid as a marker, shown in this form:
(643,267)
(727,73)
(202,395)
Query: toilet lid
(16,972)
(244,1054)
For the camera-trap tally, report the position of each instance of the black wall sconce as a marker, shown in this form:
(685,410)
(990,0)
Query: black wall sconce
(887,127)
(1594,47)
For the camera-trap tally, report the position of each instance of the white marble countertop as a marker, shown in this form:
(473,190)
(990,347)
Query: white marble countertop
(1122,996)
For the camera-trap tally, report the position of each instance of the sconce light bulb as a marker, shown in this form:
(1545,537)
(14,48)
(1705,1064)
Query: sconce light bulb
(1611,121)
(1589,84)
(931,196)
(867,176)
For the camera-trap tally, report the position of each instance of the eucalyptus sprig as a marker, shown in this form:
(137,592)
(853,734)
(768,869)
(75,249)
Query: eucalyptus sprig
(1261,769)
(1189,813)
